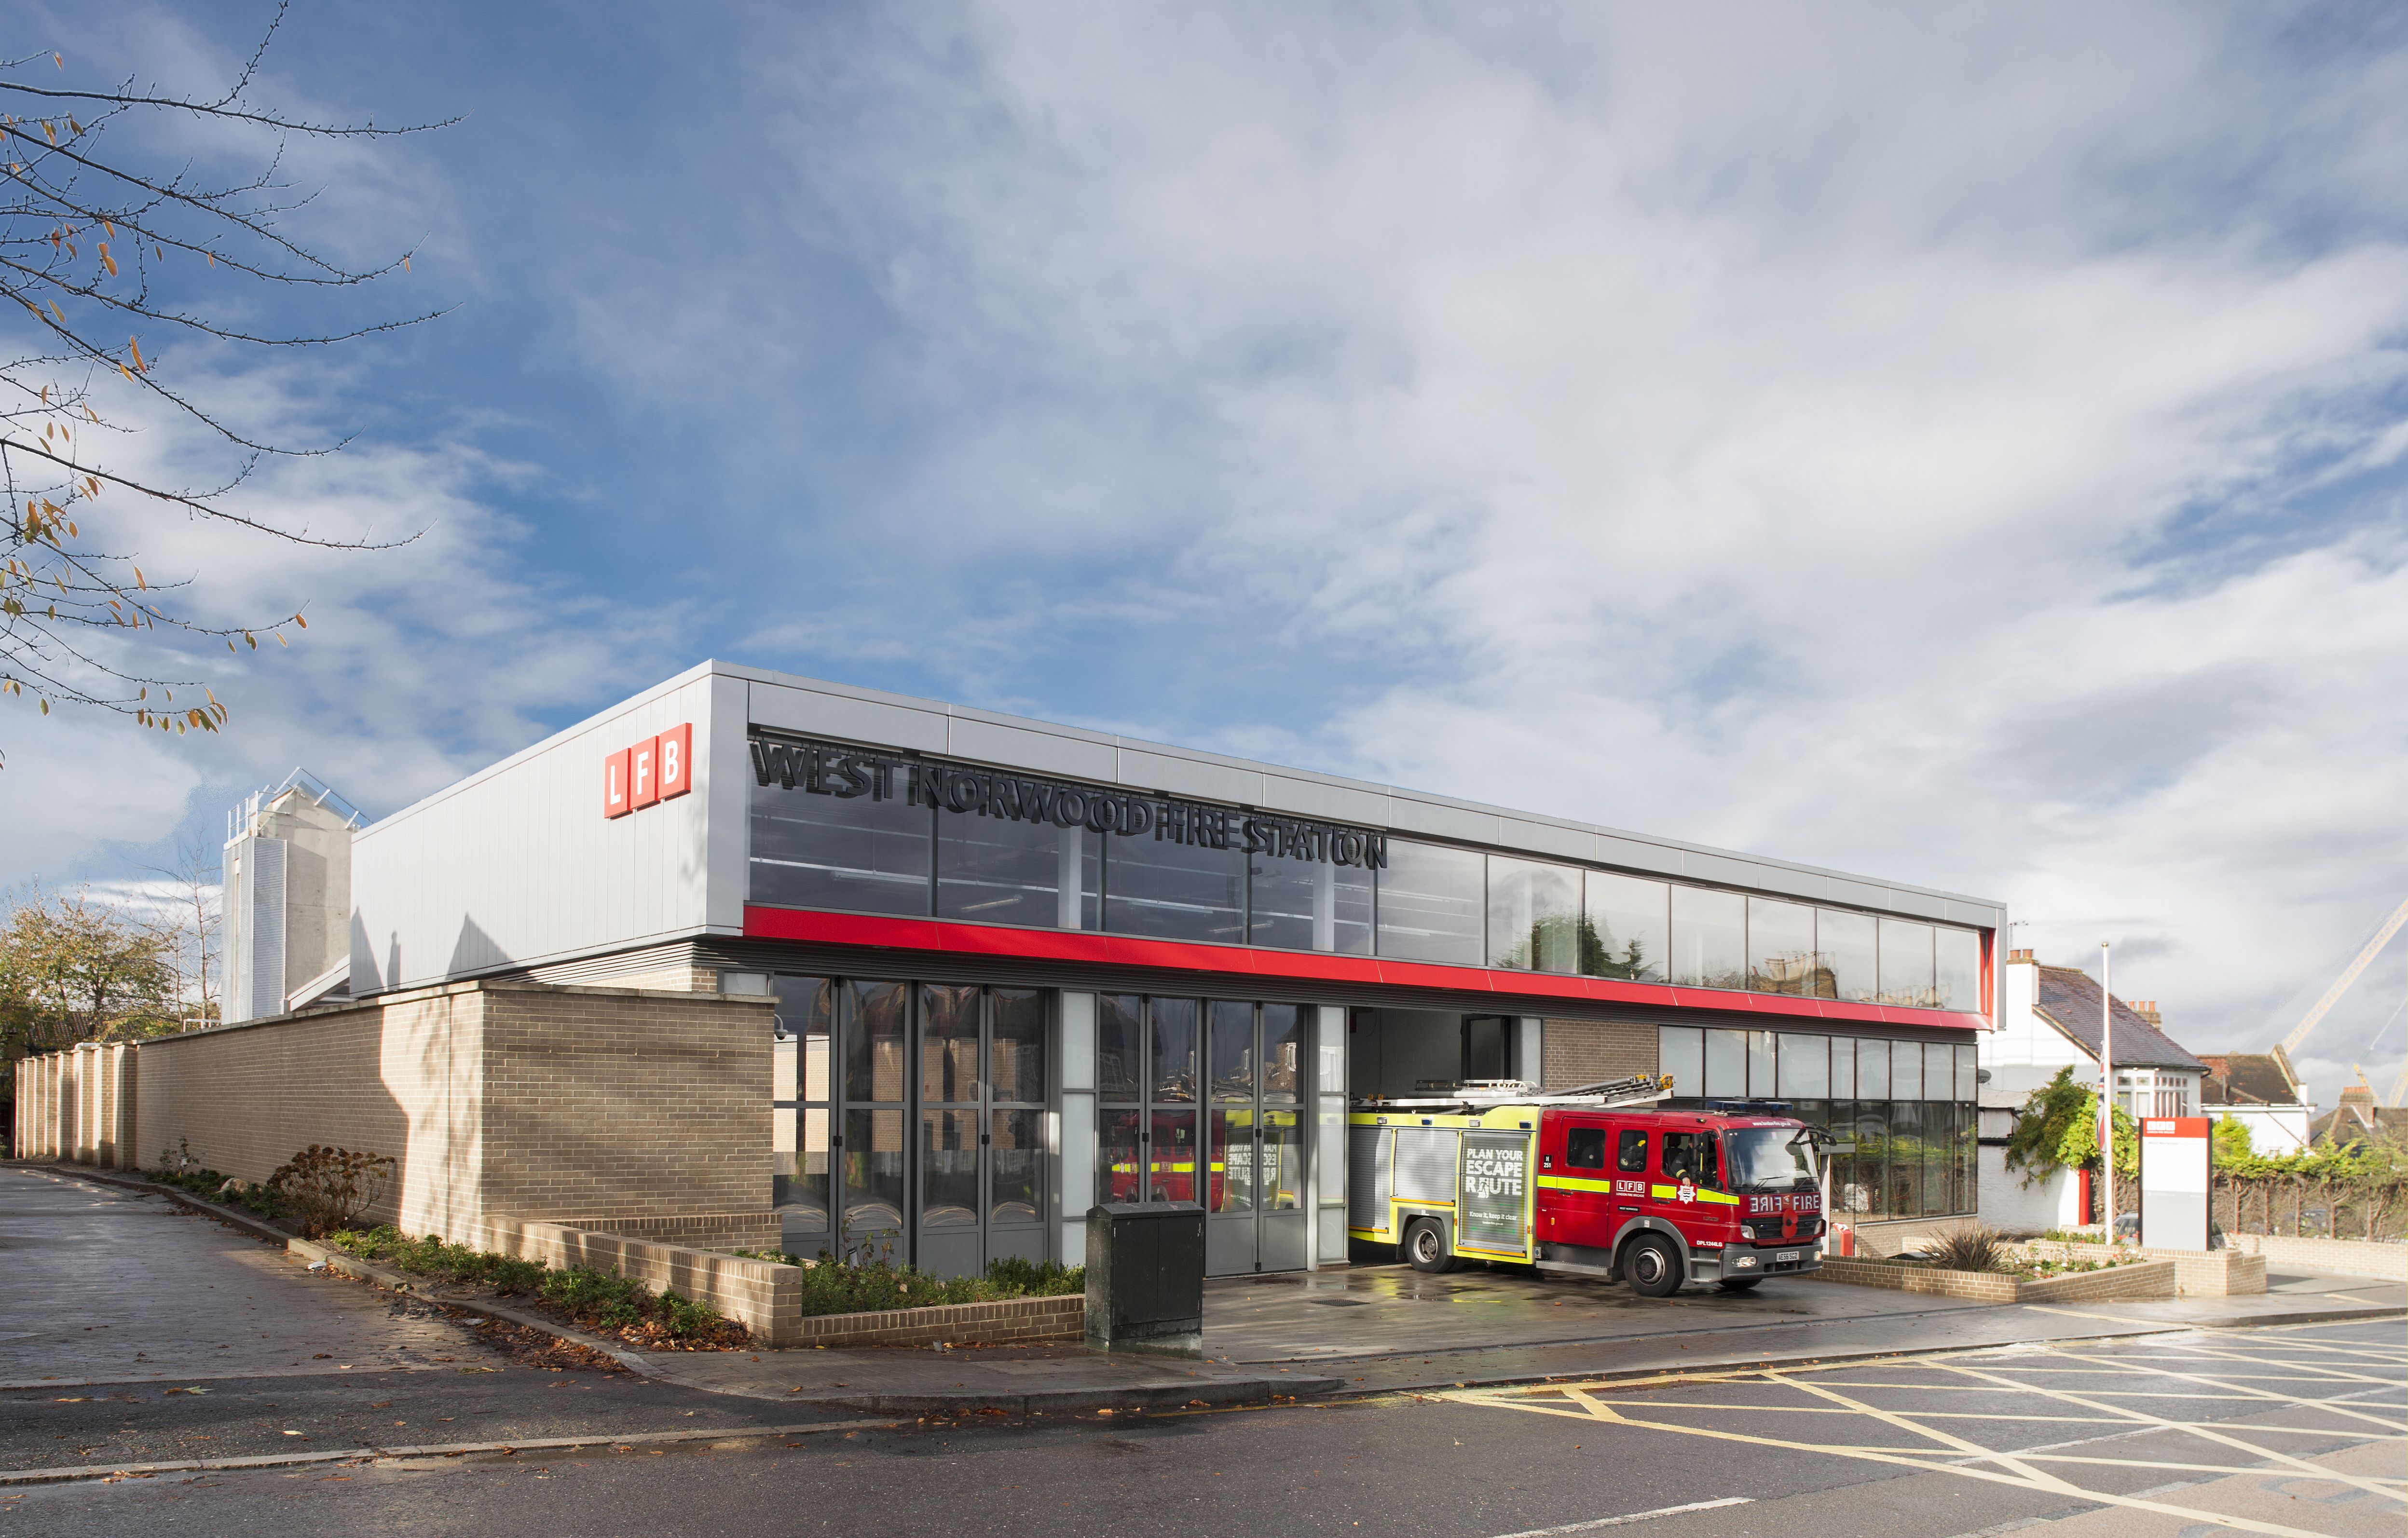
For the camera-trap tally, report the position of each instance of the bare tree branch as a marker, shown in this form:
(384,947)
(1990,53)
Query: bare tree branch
(84,233)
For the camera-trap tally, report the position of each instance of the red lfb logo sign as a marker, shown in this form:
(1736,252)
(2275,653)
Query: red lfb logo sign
(654,770)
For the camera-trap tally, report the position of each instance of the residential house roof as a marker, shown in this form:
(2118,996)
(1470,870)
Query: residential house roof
(2250,1078)
(2358,1118)
(2068,1000)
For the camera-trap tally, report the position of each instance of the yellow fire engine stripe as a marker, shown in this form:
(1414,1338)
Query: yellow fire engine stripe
(1572,1183)
(1672,1193)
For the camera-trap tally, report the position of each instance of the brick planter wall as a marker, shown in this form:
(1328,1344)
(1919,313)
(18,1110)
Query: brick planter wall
(1021,1320)
(2198,1274)
(2147,1279)
(2342,1257)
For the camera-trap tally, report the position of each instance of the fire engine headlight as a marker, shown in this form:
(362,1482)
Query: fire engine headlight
(1747,1231)
(1744,1262)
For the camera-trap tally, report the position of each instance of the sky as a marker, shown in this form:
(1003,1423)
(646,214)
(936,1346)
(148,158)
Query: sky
(1965,446)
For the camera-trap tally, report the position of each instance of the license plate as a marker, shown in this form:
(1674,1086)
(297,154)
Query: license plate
(1784,1257)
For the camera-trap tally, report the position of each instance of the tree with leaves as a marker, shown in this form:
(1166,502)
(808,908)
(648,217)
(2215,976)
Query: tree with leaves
(110,252)
(73,968)
(2058,1129)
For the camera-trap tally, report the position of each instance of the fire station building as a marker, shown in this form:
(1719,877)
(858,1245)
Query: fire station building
(1019,968)
(751,959)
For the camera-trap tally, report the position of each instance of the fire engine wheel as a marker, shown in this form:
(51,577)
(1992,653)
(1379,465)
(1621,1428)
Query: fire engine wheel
(1738,1284)
(1653,1269)
(1426,1247)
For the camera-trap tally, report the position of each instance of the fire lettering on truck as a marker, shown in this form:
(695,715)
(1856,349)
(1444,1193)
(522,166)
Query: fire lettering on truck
(1631,1187)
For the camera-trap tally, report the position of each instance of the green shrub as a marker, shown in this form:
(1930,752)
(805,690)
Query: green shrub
(1977,1248)
(831,1285)
(431,1257)
(1014,1277)
(327,1187)
(594,1298)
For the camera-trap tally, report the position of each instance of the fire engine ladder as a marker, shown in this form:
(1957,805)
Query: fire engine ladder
(1472,1094)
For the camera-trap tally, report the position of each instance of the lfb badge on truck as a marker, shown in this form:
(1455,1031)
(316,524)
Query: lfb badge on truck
(1688,1193)
(1631,1187)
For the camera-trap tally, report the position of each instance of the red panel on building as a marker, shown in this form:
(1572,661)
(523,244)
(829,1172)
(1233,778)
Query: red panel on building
(643,778)
(929,934)
(615,785)
(675,765)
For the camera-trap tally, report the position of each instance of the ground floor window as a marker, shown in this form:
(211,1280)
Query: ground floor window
(909,1119)
(1902,1111)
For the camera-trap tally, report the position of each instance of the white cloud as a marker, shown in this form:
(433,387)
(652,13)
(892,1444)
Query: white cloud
(1961,446)
(1856,441)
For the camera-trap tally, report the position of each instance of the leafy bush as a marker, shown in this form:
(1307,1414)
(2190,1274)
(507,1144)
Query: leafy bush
(1980,1248)
(831,1285)
(431,1257)
(179,1169)
(596,1300)
(1014,1277)
(326,1187)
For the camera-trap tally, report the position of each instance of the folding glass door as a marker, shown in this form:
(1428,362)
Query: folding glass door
(1255,1135)
(943,1167)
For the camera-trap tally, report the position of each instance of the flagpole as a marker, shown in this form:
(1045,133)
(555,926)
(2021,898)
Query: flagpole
(2107,1086)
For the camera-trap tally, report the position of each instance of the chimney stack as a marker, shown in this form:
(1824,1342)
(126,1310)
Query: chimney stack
(2016,957)
(2146,1009)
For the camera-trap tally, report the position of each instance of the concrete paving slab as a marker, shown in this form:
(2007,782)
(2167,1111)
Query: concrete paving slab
(112,1286)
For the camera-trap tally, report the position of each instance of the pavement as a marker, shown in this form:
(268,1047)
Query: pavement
(2293,1431)
(1363,1329)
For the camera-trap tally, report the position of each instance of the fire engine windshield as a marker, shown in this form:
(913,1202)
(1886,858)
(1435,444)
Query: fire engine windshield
(1772,1159)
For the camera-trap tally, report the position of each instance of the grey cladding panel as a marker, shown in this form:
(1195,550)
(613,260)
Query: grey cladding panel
(1979,915)
(1412,815)
(1329,803)
(1040,752)
(1544,839)
(1367,1177)
(1636,855)
(854,720)
(1425,1156)
(1180,776)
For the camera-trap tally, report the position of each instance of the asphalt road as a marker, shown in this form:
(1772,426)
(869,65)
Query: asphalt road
(2295,1430)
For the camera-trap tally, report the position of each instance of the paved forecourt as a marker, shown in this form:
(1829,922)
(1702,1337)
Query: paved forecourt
(110,1286)
(2293,1429)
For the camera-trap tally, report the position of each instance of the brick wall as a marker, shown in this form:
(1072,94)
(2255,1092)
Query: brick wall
(2147,1279)
(511,1099)
(1020,1320)
(2198,1274)
(609,1103)
(2344,1257)
(394,1079)
(763,1296)
(1588,1051)
(76,1104)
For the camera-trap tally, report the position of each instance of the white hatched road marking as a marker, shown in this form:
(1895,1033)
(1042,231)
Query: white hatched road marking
(2014,1372)
(1594,1524)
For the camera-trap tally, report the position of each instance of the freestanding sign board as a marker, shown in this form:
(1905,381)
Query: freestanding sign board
(2173,1182)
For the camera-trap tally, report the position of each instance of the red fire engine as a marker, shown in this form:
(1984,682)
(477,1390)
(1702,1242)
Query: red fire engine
(1598,1182)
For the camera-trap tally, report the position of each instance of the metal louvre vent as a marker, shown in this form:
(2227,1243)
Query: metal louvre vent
(1367,1177)
(1425,1163)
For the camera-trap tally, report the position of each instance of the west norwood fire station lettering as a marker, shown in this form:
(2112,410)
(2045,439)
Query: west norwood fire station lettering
(828,770)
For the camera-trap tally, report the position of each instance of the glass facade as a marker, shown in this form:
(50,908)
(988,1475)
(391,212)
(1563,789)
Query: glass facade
(1709,938)
(1781,949)
(1628,927)
(1000,871)
(1534,914)
(1175,892)
(1432,902)
(1309,905)
(1902,1110)
(853,832)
